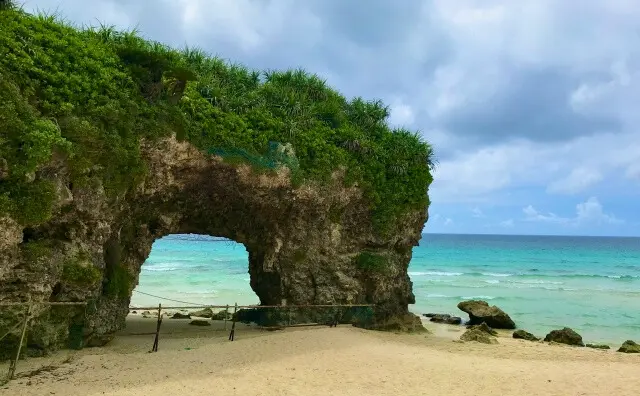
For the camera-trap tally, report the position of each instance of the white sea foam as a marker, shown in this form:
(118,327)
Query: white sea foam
(436,296)
(478,297)
(435,273)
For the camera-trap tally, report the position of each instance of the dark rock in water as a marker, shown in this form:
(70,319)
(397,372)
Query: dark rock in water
(484,328)
(598,346)
(203,313)
(200,322)
(478,335)
(565,336)
(445,318)
(629,346)
(179,315)
(134,312)
(480,311)
(430,315)
(146,313)
(524,335)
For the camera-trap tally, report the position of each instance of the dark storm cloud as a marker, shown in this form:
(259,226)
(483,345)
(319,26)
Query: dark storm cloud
(535,106)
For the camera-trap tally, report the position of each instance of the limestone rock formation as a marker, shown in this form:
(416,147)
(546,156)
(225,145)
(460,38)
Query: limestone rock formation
(565,336)
(629,346)
(122,152)
(444,318)
(524,335)
(297,253)
(480,311)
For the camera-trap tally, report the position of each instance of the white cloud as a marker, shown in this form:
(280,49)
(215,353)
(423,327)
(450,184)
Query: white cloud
(472,176)
(576,181)
(507,223)
(448,221)
(587,213)
(401,114)
(477,212)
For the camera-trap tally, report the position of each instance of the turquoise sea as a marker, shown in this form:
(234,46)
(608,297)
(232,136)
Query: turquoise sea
(591,284)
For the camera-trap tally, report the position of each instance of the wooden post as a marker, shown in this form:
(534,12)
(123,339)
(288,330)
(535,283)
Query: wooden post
(155,341)
(233,324)
(226,315)
(14,363)
(289,312)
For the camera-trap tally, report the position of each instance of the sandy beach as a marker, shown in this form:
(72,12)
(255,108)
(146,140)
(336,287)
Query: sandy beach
(322,361)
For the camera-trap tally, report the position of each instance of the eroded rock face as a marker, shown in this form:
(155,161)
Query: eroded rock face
(303,243)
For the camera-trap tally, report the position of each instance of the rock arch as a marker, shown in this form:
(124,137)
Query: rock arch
(307,245)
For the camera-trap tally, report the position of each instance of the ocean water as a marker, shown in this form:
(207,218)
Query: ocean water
(590,284)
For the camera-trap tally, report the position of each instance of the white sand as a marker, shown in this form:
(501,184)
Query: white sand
(325,361)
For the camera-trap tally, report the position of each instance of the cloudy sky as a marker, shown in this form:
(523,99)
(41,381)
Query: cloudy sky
(529,104)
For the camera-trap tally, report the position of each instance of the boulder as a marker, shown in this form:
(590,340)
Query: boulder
(180,315)
(222,315)
(480,311)
(524,335)
(478,335)
(444,318)
(629,346)
(203,313)
(565,336)
(200,322)
(484,327)
(598,346)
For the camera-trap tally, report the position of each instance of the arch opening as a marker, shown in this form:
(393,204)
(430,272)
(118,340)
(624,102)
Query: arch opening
(194,269)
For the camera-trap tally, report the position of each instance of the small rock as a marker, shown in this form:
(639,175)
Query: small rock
(134,312)
(629,346)
(179,315)
(222,315)
(565,336)
(524,335)
(203,313)
(146,313)
(598,346)
(445,318)
(483,328)
(475,334)
(200,322)
(480,311)
(430,315)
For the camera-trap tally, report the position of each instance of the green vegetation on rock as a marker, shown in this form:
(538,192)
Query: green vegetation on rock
(118,283)
(89,96)
(80,272)
(369,261)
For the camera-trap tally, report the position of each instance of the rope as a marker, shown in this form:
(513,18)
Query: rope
(168,299)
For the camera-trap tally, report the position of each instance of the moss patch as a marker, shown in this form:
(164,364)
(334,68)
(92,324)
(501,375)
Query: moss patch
(369,261)
(79,272)
(118,283)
